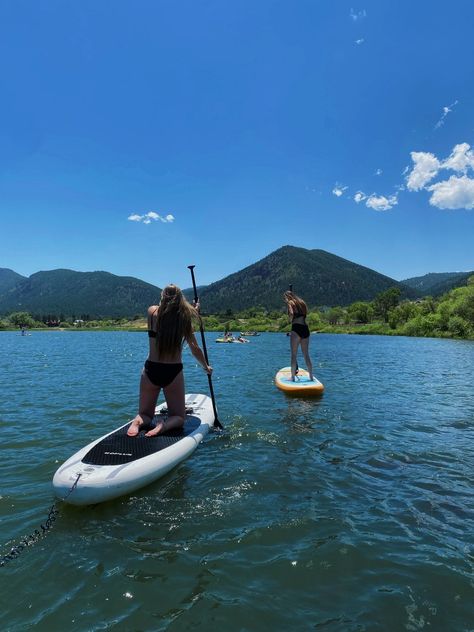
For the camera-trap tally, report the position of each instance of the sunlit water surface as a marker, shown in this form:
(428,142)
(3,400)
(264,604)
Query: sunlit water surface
(354,511)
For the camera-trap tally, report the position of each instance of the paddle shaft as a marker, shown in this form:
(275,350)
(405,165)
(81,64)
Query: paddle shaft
(204,348)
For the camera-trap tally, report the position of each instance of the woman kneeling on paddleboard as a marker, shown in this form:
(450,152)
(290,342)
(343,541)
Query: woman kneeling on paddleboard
(299,334)
(169,325)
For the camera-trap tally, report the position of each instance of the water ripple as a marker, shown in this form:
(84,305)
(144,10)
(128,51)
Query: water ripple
(350,512)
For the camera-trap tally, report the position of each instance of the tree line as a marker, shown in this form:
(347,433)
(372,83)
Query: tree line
(450,316)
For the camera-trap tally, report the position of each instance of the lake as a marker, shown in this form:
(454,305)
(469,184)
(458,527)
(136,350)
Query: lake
(354,511)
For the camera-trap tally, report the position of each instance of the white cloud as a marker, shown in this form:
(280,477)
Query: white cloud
(147,218)
(457,192)
(380,202)
(358,15)
(378,172)
(360,41)
(446,110)
(338,190)
(359,197)
(425,169)
(461,159)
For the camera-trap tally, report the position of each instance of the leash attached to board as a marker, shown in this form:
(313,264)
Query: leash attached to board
(28,540)
(204,348)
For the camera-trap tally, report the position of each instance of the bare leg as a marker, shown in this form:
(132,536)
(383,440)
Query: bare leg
(174,394)
(146,408)
(307,359)
(294,342)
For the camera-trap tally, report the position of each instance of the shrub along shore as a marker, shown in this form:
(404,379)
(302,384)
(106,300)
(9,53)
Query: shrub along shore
(449,316)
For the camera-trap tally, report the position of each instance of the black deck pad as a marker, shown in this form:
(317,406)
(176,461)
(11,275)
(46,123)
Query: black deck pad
(118,448)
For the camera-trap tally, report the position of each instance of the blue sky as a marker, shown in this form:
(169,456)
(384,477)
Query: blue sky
(139,137)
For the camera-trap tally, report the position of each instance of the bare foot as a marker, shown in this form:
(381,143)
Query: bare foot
(160,426)
(134,428)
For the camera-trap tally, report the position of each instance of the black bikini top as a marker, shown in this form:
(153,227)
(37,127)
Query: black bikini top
(151,333)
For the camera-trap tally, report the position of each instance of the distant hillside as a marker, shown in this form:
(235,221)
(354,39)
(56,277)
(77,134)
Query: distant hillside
(319,277)
(8,279)
(437,283)
(69,293)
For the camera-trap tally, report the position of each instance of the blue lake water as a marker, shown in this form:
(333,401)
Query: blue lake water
(354,511)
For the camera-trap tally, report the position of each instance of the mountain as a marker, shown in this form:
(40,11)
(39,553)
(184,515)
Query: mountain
(320,277)
(437,283)
(8,279)
(69,293)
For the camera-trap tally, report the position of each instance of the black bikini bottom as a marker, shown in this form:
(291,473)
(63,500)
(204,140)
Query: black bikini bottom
(162,373)
(301,330)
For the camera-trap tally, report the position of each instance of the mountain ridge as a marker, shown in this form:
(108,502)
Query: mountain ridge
(321,278)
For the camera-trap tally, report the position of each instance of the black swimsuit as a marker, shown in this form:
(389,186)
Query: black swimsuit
(302,330)
(161,373)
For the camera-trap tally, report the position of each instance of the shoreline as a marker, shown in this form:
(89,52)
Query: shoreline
(363,330)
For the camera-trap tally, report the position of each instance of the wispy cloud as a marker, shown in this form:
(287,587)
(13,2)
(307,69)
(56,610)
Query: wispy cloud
(338,190)
(446,110)
(378,172)
(381,202)
(150,217)
(376,202)
(360,41)
(358,15)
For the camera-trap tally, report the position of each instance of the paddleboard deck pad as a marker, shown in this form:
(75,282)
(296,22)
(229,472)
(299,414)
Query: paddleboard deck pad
(117,464)
(302,384)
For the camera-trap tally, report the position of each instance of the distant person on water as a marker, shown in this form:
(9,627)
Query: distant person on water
(170,324)
(299,335)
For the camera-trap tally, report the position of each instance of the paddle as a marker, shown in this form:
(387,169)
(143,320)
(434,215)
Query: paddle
(204,348)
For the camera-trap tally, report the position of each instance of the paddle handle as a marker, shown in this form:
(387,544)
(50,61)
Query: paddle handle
(204,348)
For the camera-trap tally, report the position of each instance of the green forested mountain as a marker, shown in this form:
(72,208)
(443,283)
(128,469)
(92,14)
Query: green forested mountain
(437,283)
(69,293)
(319,277)
(8,279)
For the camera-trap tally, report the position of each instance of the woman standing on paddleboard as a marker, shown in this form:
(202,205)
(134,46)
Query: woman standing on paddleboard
(170,324)
(299,335)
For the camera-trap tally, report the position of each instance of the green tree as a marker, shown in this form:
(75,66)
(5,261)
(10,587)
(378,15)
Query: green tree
(18,319)
(385,301)
(335,315)
(361,312)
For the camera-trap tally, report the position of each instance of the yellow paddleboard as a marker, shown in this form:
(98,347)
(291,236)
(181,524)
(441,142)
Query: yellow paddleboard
(302,384)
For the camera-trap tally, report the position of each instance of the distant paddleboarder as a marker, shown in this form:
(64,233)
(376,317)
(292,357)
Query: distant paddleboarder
(299,335)
(170,324)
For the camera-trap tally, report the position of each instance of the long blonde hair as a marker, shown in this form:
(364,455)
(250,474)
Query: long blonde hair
(294,304)
(174,320)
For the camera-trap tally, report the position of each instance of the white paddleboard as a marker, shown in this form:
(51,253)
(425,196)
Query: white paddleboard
(117,464)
